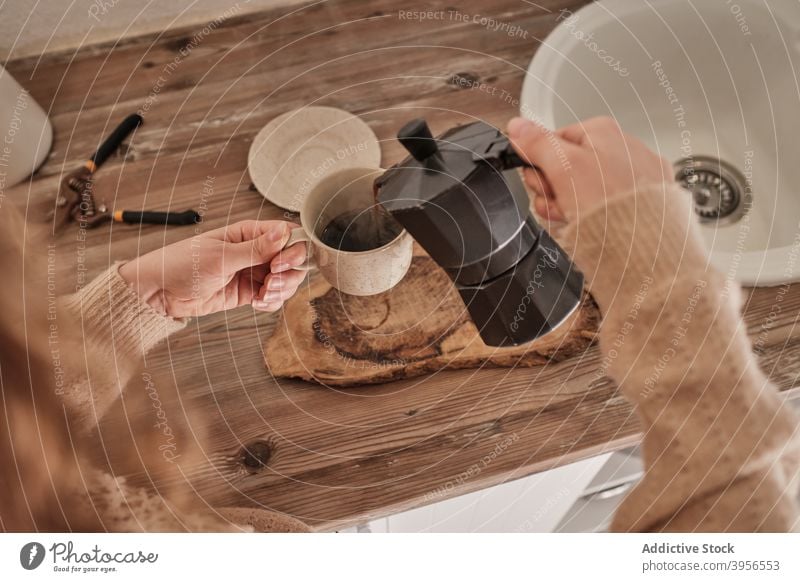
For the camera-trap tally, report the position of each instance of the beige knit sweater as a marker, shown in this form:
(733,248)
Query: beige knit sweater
(721,448)
(117,330)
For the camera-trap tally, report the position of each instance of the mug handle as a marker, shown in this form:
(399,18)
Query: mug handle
(299,235)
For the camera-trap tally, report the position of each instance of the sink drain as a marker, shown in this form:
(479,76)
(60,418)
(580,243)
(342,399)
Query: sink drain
(720,192)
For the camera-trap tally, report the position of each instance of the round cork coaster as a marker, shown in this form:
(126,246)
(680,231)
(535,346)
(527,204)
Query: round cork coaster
(294,151)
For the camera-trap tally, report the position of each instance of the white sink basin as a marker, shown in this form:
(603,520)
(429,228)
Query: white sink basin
(712,79)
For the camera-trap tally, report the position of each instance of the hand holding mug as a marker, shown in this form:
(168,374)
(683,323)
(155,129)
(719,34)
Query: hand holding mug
(239,264)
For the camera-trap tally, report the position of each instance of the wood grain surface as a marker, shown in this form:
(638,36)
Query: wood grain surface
(329,456)
(418,327)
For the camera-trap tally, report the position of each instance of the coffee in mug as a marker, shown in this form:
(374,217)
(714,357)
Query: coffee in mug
(357,246)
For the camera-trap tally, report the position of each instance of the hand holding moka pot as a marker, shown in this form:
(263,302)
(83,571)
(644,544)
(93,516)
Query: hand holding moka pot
(461,198)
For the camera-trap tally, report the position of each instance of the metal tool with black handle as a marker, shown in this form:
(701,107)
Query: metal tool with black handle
(81,205)
(113,141)
(76,197)
(155,217)
(184,218)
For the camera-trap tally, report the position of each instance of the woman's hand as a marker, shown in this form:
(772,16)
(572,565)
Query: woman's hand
(240,264)
(582,166)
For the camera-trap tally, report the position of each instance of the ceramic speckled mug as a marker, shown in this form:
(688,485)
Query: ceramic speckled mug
(356,273)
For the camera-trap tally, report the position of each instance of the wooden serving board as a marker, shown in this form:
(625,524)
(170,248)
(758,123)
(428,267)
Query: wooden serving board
(421,326)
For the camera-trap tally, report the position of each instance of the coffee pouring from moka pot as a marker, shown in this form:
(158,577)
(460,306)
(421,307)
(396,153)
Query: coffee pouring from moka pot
(461,197)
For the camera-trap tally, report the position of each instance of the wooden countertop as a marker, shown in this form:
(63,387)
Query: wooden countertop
(329,457)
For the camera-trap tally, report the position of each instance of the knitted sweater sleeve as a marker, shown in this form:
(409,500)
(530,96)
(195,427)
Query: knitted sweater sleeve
(116,331)
(721,447)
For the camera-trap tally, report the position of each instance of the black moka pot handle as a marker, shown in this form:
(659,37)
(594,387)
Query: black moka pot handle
(417,138)
(502,155)
(113,141)
(511,159)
